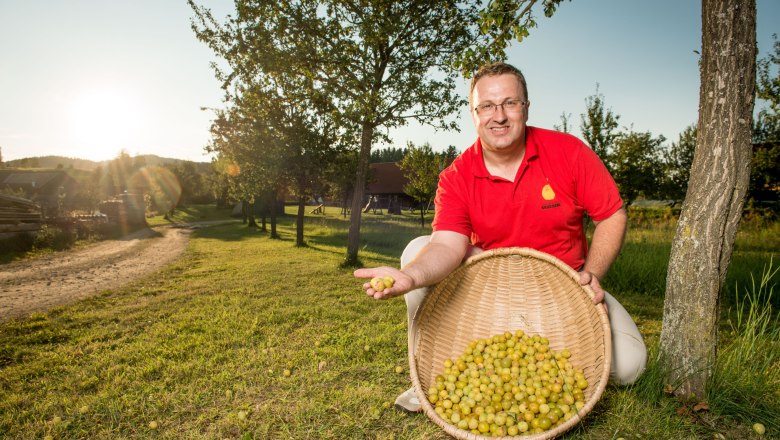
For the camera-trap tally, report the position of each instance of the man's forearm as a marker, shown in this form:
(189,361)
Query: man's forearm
(437,259)
(606,243)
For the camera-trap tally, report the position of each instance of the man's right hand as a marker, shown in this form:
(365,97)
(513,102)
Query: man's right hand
(402,284)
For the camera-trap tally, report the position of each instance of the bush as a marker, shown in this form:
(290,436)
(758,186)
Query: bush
(53,237)
(18,243)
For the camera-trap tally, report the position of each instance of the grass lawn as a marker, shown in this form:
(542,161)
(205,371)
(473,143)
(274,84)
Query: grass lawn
(189,214)
(202,349)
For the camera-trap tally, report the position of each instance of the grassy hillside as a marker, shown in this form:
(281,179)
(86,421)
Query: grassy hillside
(53,162)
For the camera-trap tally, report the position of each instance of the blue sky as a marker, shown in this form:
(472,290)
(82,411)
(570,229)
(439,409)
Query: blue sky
(86,78)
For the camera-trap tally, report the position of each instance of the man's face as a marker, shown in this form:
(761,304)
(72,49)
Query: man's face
(503,130)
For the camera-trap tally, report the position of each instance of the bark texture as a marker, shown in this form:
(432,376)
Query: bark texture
(353,237)
(704,239)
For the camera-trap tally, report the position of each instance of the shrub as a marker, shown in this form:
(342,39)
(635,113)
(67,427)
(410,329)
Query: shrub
(53,237)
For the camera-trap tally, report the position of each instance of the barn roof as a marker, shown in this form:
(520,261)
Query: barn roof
(35,179)
(386,178)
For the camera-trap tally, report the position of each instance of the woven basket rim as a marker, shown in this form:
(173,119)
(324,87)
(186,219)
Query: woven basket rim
(603,320)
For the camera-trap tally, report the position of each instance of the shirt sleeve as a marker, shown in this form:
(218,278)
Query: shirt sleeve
(595,187)
(451,204)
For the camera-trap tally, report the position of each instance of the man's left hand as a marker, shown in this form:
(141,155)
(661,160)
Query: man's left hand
(588,279)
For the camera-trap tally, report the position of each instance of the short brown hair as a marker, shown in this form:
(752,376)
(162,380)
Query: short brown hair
(495,69)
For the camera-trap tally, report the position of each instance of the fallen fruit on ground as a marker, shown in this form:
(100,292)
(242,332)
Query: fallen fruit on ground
(759,428)
(152,425)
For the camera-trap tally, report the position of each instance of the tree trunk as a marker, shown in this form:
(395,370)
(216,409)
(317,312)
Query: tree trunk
(299,222)
(353,238)
(273,215)
(704,239)
(422,215)
(251,209)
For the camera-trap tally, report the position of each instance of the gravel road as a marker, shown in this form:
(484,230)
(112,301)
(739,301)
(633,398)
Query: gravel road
(65,277)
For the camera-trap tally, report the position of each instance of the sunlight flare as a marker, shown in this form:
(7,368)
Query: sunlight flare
(104,120)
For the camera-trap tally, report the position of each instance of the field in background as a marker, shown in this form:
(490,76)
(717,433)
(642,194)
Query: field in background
(201,348)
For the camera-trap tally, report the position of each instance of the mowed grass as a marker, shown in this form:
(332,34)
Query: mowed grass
(189,214)
(201,347)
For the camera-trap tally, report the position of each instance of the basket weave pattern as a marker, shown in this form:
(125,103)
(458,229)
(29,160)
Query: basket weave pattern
(506,290)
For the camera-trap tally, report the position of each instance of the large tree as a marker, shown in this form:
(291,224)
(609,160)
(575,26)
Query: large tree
(368,64)
(371,65)
(704,239)
(251,152)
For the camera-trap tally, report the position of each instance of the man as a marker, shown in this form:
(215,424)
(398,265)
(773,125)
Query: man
(519,186)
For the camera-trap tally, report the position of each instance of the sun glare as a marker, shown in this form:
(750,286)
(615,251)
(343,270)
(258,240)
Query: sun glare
(103,121)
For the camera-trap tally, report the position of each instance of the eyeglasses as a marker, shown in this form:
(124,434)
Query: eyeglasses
(509,106)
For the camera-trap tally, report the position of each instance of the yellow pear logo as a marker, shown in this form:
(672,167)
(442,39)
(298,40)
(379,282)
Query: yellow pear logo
(547,192)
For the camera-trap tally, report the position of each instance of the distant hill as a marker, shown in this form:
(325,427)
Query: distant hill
(51,162)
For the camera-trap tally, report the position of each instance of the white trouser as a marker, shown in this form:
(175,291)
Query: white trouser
(629,355)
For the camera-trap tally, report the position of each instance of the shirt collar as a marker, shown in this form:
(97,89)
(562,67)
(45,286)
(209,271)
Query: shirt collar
(531,152)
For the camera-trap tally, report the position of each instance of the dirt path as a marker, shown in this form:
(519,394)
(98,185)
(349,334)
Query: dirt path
(66,277)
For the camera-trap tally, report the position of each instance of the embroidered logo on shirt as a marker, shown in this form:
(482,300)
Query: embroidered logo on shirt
(547,192)
(549,195)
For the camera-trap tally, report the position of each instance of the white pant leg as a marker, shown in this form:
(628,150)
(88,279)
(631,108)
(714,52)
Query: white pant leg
(415,297)
(629,355)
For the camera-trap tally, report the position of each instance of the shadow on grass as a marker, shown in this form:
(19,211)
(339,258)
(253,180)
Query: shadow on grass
(238,232)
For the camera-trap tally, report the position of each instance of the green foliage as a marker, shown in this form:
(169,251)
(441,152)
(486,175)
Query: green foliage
(765,168)
(599,127)
(390,154)
(565,126)
(677,164)
(766,127)
(636,165)
(421,166)
(194,184)
(340,177)
(765,172)
(500,23)
(52,237)
(358,67)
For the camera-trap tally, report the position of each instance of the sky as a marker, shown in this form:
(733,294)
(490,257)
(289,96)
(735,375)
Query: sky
(89,78)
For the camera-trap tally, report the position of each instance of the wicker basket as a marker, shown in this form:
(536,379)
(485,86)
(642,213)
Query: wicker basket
(506,290)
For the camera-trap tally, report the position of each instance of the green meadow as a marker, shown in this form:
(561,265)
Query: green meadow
(247,337)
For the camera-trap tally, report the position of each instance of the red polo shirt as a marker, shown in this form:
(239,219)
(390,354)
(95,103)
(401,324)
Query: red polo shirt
(559,179)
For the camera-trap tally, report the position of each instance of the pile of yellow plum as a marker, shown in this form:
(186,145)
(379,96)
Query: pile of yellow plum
(508,384)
